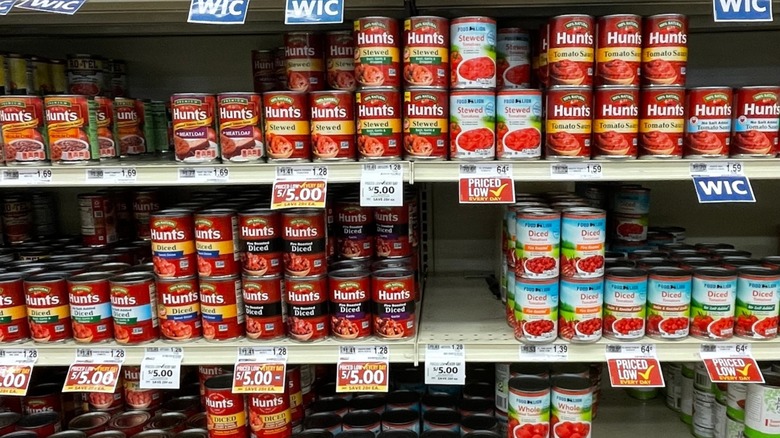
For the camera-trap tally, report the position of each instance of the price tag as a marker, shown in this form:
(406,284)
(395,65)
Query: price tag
(544,353)
(634,365)
(575,171)
(300,186)
(717,168)
(445,364)
(260,369)
(363,369)
(486,184)
(200,175)
(728,363)
(94,370)
(112,175)
(381,185)
(161,368)
(27,176)
(16,366)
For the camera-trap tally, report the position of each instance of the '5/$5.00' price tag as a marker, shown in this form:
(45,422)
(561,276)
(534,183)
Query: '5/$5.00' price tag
(300,187)
(363,369)
(94,370)
(16,365)
(260,369)
(161,368)
(445,364)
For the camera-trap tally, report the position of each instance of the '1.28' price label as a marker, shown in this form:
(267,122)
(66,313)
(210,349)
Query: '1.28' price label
(16,366)
(363,369)
(300,187)
(94,370)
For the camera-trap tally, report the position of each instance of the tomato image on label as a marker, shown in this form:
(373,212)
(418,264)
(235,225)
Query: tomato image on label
(519,124)
(307,308)
(536,310)
(472,125)
(377,54)
(756,120)
(473,52)
(426,124)
(713,297)
(708,121)
(379,124)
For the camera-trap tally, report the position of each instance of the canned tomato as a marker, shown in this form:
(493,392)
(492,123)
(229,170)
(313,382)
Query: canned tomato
(668,303)
(529,407)
(580,309)
(583,232)
(625,300)
(377,47)
(350,301)
(240,137)
(72,129)
(269,415)
(570,52)
(44,424)
(707,122)
(354,230)
(13,313)
(615,122)
(304,240)
(509,285)
(48,314)
(280,68)
(629,227)
(519,117)
(130,121)
(541,47)
(23,129)
(259,233)
(661,122)
(17,219)
(332,125)
(536,310)
(393,294)
(287,131)
(473,52)
(40,75)
(216,241)
(205,372)
(44,397)
(225,411)
(713,296)
(89,295)
(98,220)
(340,60)
(426,123)
(179,308)
(110,402)
(222,307)
(135,397)
(758,294)
(104,114)
(426,54)
(568,122)
(472,124)
(571,406)
(194,136)
(173,243)
(134,308)
(393,231)
(631,200)
(18,82)
(263,71)
(665,52)
(304,61)
(296,395)
(85,75)
(145,203)
(538,242)
(618,50)
(513,48)
(263,306)
(90,423)
(756,121)
(307,308)
(379,123)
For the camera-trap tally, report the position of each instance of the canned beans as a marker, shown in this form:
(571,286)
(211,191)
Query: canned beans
(23,129)
(194,123)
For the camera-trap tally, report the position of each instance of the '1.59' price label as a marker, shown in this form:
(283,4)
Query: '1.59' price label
(363,369)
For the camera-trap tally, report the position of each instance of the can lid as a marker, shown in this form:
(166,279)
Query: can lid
(440,434)
(626,272)
(402,397)
(313,434)
(349,274)
(38,419)
(758,271)
(362,418)
(192,433)
(482,434)
(69,434)
(224,381)
(714,272)
(47,277)
(400,416)
(574,383)
(529,383)
(132,277)
(391,434)
(479,422)
(667,271)
(322,420)
(441,416)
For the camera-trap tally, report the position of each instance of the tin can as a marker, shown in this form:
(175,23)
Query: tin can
(104,114)
(17,75)
(260,239)
(263,305)
(392,291)
(513,49)
(58,76)
(472,124)
(568,122)
(713,297)
(134,308)
(240,134)
(350,300)
(538,242)
(758,294)
(401,419)
(216,241)
(205,372)
(665,52)
(362,420)
(269,415)
(13,313)
(222,307)
(536,310)
(618,50)
(426,52)
(89,295)
(615,122)
(179,308)
(226,412)
(441,420)
(17,219)
(304,61)
(307,308)
(707,122)
(354,230)
(90,423)
(583,233)
(580,309)
(304,242)
(426,124)
(105,402)
(168,421)
(117,70)
(529,406)
(287,129)
(571,406)
(23,129)
(631,200)
(570,53)
(145,202)
(394,231)
(280,68)
(48,314)
(519,128)
(296,395)
(625,300)
(756,120)
(72,129)
(324,422)
(661,122)
(760,417)
(44,424)
(194,134)
(85,75)
(98,220)
(332,125)
(263,71)
(377,52)
(129,126)
(135,397)
(379,123)
(668,303)
(4,76)
(130,423)
(173,243)
(473,52)
(43,397)
(340,60)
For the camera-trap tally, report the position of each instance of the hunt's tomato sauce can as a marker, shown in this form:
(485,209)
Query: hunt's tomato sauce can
(179,308)
(707,122)
(618,50)
(23,129)
(570,53)
(48,314)
(615,122)
(756,122)
(513,50)
(216,241)
(340,60)
(304,61)
(350,300)
(426,123)
(392,291)
(13,313)
(304,236)
(269,415)
(519,127)
(472,124)
(240,137)
(332,125)
(134,308)
(661,122)
(379,124)
(89,295)
(426,52)
(173,243)
(260,237)
(222,308)
(665,53)
(473,52)
(377,52)
(71,123)
(225,411)
(194,122)
(569,122)
(393,231)
(287,130)
(354,230)
(308,318)
(263,306)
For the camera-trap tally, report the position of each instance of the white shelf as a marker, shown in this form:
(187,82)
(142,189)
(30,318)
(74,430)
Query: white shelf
(652,415)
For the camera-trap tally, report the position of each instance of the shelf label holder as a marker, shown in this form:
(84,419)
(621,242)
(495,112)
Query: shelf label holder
(16,367)
(491,183)
(445,364)
(95,370)
(381,185)
(260,369)
(161,367)
(363,368)
(634,365)
(300,187)
(730,363)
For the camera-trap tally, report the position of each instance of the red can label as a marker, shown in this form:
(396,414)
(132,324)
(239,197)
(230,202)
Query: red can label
(47,308)
(296,394)
(379,123)
(90,309)
(240,137)
(350,298)
(287,131)
(206,372)
(513,49)
(173,244)
(134,308)
(101,401)
(542,46)
(263,70)
(341,60)
(756,121)
(23,125)
(570,55)
(394,306)
(263,307)
(130,119)
(616,122)
(426,123)
(618,50)
(269,415)
(216,240)
(661,121)
(225,413)
(261,243)
(569,122)
(377,54)
(13,313)
(332,125)
(304,241)
(179,308)
(135,397)
(354,231)
(221,303)
(393,231)
(665,53)
(72,130)
(307,308)
(426,52)
(98,220)
(194,136)
(473,52)
(304,59)
(144,204)
(105,127)
(708,121)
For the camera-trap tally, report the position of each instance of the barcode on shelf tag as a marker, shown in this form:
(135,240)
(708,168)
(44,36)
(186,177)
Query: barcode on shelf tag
(303,172)
(717,168)
(262,354)
(584,170)
(544,353)
(204,174)
(725,350)
(112,175)
(27,176)
(100,355)
(381,185)
(630,351)
(445,364)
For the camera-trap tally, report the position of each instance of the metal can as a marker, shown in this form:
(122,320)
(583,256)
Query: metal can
(665,52)
(583,234)
(571,406)
(17,219)
(393,231)
(23,129)
(240,134)
(513,49)
(44,397)
(707,122)
(280,68)
(58,76)
(304,61)
(13,313)
(179,308)
(426,52)
(661,122)
(129,124)
(568,122)
(263,305)
(426,123)
(713,297)
(538,242)
(304,242)
(44,424)
(529,407)
(377,52)
(260,239)
(580,309)
(519,117)
(117,69)
(668,303)
(222,307)
(473,53)
(625,303)
(90,423)
(194,121)
(134,308)
(472,124)
(269,415)
(225,411)
(340,60)
(89,295)
(570,53)
(216,241)
(39,75)
(135,397)
(263,71)
(362,420)
(48,314)
(104,114)
(287,129)
(758,294)
(17,75)
(332,125)
(401,420)
(85,75)
(535,310)
(354,230)
(756,120)
(379,123)
(307,308)
(393,294)
(296,394)
(441,419)
(72,129)
(618,50)
(130,423)
(98,220)
(350,300)
(173,243)
(615,122)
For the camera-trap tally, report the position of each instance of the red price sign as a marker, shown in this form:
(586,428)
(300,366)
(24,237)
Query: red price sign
(362,377)
(299,194)
(733,369)
(15,379)
(92,377)
(486,184)
(259,377)
(632,372)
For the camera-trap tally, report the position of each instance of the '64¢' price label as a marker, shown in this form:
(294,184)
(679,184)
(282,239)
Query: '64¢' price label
(94,370)
(300,187)
(16,366)
(363,369)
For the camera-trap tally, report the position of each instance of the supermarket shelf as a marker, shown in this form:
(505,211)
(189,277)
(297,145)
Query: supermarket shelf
(615,406)
(463,311)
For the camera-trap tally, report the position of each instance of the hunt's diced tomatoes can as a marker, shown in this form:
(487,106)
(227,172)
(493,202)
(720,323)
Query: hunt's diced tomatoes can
(755,121)
(426,123)
(72,129)
(304,61)
(332,125)
(48,314)
(513,49)
(173,243)
(393,231)
(287,130)
(661,122)
(665,53)
(570,52)
(519,124)
(13,313)
(179,308)
(269,415)
(473,52)
(615,122)
(216,240)
(24,129)
(354,230)
(472,124)
(90,307)
(707,122)
(350,301)
(569,122)
(145,202)
(260,236)
(379,123)
(307,308)
(225,411)
(240,136)
(340,60)
(194,122)
(205,372)
(263,305)
(377,52)
(426,52)
(222,307)
(134,308)
(304,242)
(618,50)
(392,291)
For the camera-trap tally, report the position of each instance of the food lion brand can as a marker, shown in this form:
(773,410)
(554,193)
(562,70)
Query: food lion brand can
(472,124)
(216,241)
(618,50)
(426,53)
(340,60)
(350,300)
(48,314)
(287,129)
(570,53)
(89,295)
(304,241)
(529,406)
(377,52)
(615,122)
(134,308)
(179,308)
(707,122)
(304,61)
(661,122)
(713,298)
(307,308)
(173,243)
(756,120)
(569,122)
(473,52)
(72,129)
(13,313)
(264,306)
(269,415)
(758,297)
(392,291)
(665,52)
(513,49)
(668,303)
(194,136)
(379,123)
(571,406)
(519,124)
(426,124)
(260,237)
(222,308)
(225,411)
(240,134)
(23,129)
(332,125)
